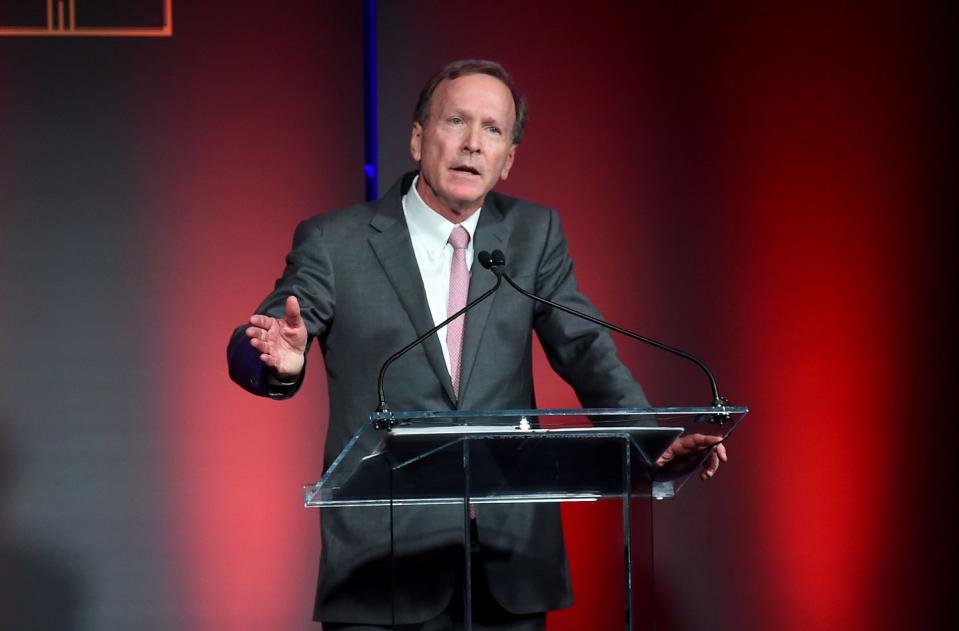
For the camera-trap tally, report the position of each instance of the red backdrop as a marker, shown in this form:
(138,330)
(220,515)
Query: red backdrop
(751,183)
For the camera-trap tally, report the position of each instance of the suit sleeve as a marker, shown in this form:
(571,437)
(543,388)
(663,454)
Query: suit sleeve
(581,352)
(309,276)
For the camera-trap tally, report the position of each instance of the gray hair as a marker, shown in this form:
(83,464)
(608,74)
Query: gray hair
(463,68)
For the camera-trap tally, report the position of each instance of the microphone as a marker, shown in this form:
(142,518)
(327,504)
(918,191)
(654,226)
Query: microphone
(492,262)
(496,262)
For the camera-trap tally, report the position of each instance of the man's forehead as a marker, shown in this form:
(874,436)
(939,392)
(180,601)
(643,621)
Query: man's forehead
(479,90)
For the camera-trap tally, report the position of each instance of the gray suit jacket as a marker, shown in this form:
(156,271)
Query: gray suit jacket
(362,297)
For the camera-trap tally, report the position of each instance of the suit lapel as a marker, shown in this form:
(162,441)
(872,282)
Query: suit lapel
(394,251)
(492,233)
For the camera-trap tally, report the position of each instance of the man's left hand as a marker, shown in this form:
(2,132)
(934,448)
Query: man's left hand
(692,446)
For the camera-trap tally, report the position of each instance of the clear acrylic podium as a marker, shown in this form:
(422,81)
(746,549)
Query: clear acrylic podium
(477,457)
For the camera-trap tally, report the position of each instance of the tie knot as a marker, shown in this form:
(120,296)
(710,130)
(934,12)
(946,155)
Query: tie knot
(459,237)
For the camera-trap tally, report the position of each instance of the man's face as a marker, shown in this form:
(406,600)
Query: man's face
(466,146)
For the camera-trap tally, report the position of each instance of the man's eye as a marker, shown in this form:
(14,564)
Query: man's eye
(456,120)
(495,130)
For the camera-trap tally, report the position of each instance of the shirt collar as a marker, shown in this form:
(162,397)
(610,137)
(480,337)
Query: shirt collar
(430,227)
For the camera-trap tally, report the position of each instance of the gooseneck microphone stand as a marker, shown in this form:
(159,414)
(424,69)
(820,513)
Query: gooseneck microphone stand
(496,262)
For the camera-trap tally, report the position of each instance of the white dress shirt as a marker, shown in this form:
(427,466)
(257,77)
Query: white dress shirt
(430,233)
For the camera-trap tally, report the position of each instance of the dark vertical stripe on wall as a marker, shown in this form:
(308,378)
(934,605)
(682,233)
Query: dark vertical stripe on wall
(370,107)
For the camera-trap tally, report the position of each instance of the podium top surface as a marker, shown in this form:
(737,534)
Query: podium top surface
(598,414)
(520,455)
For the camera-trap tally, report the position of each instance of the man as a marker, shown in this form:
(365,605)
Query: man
(367,280)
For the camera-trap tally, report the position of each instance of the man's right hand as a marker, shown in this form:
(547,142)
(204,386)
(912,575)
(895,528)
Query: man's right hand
(282,343)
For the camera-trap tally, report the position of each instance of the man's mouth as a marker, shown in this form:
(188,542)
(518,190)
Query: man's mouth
(465,169)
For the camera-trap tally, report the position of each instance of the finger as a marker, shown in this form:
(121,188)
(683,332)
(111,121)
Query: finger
(696,442)
(682,446)
(260,345)
(721,453)
(261,321)
(706,440)
(671,452)
(293,312)
(712,464)
(710,467)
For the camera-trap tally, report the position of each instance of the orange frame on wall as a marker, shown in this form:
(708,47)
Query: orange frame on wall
(62,21)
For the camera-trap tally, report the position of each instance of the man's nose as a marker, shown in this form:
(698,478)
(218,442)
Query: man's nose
(471,143)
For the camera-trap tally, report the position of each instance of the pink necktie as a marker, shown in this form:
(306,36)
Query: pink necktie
(459,289)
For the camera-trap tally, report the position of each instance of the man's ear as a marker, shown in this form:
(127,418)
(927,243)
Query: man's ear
(416,142)
(509,162)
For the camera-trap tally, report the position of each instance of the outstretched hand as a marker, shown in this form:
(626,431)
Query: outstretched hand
(281,342)
(689,448)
